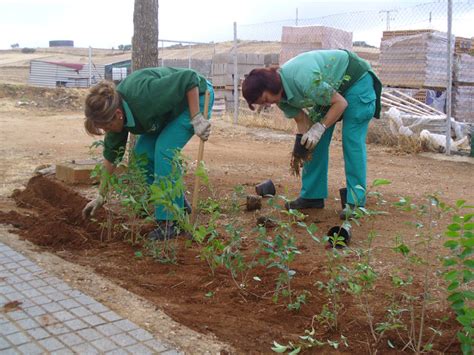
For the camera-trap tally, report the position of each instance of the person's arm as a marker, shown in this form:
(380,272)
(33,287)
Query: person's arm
(303,123)
(91,208)
(337,108)
(201,124)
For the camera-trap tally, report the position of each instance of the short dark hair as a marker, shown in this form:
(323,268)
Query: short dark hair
(258,81)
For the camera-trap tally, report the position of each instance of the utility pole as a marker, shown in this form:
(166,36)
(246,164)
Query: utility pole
(387,12)
(296,18)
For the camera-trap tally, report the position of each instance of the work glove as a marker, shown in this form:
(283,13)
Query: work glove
(312,137)
(202,127)
(92,207)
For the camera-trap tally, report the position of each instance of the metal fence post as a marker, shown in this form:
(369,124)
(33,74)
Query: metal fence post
(450,79)
(236,77)
(90,66)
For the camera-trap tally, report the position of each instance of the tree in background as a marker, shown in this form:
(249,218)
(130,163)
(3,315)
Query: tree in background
(145,34)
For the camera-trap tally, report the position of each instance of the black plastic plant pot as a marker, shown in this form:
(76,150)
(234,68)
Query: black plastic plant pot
(339,231)
(343,196)
(299,150)
(265,188)
(254,202)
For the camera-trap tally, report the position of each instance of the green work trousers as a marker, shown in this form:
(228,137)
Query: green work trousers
(160,148)
(360,110)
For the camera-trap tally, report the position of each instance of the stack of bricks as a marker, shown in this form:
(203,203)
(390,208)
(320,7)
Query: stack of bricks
(463,90)
(300,39)
(414,59)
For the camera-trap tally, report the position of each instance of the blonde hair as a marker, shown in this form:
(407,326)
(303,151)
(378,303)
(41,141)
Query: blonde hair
(100,106)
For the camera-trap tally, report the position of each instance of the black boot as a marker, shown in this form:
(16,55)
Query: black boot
(304,203)
(187,206)
(166,230)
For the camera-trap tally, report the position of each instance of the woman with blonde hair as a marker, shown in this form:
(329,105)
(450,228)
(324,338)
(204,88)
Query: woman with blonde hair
(164,107)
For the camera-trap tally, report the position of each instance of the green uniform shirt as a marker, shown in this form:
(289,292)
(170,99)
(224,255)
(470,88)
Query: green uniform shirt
(310,79)
(151,98)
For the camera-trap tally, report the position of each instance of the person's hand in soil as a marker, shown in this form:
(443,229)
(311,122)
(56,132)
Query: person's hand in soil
(92,207)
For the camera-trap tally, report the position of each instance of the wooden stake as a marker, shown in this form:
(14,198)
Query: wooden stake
(197,181)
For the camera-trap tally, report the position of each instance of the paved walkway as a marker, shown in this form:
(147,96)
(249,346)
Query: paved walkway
(41,314)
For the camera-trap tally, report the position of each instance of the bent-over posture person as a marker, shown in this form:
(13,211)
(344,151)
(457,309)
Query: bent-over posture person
(317,89)
(164,107)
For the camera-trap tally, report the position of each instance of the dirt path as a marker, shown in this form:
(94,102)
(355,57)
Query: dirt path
(235,156)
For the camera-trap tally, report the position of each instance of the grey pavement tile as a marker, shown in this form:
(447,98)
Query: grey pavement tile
(46,290)
(52,280)
(62,352)
(62,286)
(80,311)
(34,268)
(22,286)
(89,334)
(4,289)
(31,349)
(93,320)
(25,262)
(17,315)
(28,277)
(118,352)
(15,296)
(58,329)
(3,299)
(96,307)
(18,338)
(3,318)
(76,324)
(38,333)
(70,339)
(8,328)
(28,323)
(108,329)
(139,349)
(69,303)
(51,344)
(63,316)
(141,334)
(126,325)
(53,307)
(20,271)
(74,293)
(85,300)
(157,345)
(38,283)
(11,266)
(57,296)
(31,293)
(123,339)
(172,352)
(104,344)
(4,343)
(110,316)
(11,280)
(10,351)
(41,300)
(35,311)
(85,349)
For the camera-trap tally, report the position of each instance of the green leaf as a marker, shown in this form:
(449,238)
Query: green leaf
(451,275)
(468,295)
(453,285)
(278,348)
(449,262)
(451,244)
(452,234)
(468,226)
(469,263)
(454,227)
(380,182)
(460,203)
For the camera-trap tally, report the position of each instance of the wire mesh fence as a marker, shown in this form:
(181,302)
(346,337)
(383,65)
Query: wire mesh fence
(425,72)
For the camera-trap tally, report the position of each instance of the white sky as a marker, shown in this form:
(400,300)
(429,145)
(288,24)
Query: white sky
(108,23)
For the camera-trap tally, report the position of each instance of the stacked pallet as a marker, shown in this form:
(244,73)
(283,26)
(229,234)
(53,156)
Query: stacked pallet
(414,60)
(462,45)
(463,91)
(223,72)
(297,40)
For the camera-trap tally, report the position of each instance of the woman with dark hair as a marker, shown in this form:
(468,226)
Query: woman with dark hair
(317,89)
(162,105)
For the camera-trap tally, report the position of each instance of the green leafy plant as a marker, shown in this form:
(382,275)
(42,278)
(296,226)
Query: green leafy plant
(459,274)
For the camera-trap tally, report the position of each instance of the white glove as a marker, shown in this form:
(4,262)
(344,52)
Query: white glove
(92,207)
(202,127)
(314,134)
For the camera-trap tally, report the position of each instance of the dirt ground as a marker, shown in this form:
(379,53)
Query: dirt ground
(212,306)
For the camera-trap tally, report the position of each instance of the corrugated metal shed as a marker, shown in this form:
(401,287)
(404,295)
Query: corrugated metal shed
(54,74)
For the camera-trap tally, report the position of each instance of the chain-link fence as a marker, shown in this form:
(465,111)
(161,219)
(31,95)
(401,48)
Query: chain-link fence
(426,72)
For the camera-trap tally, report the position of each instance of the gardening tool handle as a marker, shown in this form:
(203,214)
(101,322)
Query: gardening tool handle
(199,159)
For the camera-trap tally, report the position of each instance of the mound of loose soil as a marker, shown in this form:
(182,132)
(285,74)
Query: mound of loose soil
(188,292)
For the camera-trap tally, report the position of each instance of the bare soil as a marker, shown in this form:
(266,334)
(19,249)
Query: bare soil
(47,213)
